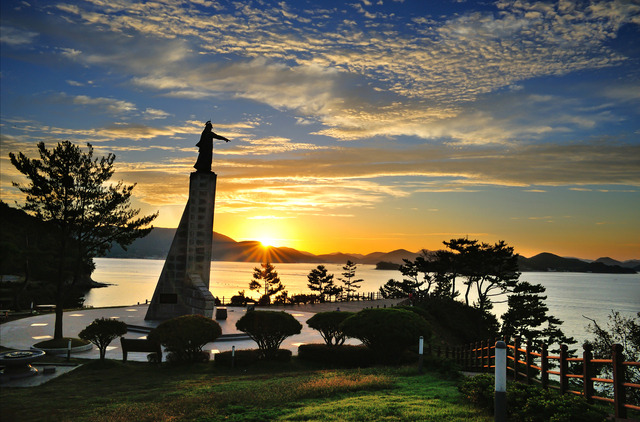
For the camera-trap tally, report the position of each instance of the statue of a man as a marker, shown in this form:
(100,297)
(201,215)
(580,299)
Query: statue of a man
(205,151)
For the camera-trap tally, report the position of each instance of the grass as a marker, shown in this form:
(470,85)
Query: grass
(115,391)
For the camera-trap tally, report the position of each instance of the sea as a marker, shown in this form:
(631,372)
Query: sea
(571,297)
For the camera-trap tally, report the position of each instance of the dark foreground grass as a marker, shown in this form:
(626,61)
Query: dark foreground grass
(114,391)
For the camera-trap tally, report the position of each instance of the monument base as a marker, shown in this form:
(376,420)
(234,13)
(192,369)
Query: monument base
(183,286)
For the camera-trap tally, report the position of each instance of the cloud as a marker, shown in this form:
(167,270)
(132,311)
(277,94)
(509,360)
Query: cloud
(99,104)
(153,114)
(15,37)
(358,82)
(360,178)
(444,107)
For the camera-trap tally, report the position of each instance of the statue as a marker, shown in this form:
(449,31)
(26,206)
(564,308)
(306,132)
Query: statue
(205,151)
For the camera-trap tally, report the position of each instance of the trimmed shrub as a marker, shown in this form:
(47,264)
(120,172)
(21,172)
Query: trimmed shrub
(328,324)
(102,331)
(424,314)
(388,332)
(268,329)
(248,357)
(479,391)
(345,356)
(529,403)
(184,336)
(456,322)
(533,404)
(174,357)
(242,358)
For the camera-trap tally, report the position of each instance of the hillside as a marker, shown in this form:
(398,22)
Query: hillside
(156,245)
(550,262)
(17,224)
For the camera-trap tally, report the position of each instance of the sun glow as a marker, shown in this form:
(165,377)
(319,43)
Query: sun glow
(267,242)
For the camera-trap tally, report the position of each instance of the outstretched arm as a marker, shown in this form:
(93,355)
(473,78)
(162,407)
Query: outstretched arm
(222,138)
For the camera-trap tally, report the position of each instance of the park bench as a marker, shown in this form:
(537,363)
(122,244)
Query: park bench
(140,345)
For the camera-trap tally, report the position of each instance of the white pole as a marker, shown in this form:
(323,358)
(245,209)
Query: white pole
(500,400)
(233,356)
(420,353)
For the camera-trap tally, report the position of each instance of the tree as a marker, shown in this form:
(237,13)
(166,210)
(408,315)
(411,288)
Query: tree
(624,331)
(350,283)
(268,329)
(328,324)
(527,316)
(184,336)
(70,188)
(102,331)
(411,283)
(322,282)
(266,278)
(491,269)
(386,331)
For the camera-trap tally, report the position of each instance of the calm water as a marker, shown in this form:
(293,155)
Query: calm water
(569,295)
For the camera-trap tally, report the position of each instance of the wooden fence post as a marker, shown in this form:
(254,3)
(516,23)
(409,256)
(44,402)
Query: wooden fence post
(544,365)
(587,372)
(488,355)
(475,346)
(618,381)
(516,355)
(528,358)
(483,362)
(564,369)
(474,356)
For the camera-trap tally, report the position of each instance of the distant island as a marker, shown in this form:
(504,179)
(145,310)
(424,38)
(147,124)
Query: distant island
(156,245)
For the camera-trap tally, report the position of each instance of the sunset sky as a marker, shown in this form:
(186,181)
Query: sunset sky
(358,126)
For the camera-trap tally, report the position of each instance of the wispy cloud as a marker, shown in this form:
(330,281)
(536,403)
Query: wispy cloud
(16,37)
(336,111)
(101,104)
(306,67)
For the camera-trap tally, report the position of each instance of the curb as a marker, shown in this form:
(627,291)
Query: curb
(62,351)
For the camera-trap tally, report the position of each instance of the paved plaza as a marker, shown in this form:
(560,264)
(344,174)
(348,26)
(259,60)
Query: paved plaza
(23,333)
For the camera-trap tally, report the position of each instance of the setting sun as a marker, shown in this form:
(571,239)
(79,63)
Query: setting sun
(267,241)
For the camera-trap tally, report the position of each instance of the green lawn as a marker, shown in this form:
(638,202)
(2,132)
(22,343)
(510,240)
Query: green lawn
(290,392)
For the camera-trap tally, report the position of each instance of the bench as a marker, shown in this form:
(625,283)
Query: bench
(140,345)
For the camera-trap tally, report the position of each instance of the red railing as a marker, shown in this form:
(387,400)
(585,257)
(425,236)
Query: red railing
(530,365)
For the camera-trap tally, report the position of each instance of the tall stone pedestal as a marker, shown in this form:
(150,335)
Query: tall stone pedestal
(183,287)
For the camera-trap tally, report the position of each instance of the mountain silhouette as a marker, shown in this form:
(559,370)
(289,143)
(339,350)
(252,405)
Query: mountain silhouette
(156,245)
